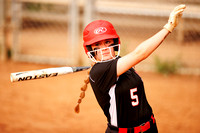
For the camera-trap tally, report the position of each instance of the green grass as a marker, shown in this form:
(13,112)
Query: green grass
(166,66)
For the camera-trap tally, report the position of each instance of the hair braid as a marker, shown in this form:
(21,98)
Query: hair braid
(83,89)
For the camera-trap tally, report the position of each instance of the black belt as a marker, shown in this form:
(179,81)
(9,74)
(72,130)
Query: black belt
(142,128)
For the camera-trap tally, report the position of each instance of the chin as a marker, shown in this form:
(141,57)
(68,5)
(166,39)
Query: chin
(108,58)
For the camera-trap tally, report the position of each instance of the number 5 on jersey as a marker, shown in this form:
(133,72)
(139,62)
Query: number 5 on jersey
(134,97)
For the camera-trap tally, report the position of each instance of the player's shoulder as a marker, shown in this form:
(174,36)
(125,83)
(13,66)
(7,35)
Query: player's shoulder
(103,68)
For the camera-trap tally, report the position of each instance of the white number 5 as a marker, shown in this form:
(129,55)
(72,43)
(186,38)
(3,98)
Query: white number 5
(135,101)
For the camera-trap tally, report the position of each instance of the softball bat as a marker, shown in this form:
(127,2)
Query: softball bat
(44,73)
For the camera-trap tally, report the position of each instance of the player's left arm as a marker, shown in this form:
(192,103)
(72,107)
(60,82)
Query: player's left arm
(147,47)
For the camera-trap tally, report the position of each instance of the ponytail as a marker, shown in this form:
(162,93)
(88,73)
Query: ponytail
(83,89)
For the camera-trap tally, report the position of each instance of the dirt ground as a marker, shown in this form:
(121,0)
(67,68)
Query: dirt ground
(47,105)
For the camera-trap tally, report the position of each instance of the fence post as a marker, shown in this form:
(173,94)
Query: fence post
(89,11)
(6,18)
(180,32)
(2,44)
(73,33)
(16,17)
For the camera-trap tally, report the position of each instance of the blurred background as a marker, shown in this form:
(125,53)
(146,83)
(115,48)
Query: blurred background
(36,34)
(50,31)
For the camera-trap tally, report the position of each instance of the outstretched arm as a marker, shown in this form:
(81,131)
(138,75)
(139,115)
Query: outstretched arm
(147,47)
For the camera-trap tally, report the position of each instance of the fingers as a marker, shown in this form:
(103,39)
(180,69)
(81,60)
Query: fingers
(179,7)
(179,12)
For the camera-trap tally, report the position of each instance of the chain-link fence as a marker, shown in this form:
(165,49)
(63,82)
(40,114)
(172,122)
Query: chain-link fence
(50,31)
(1,30)
(137,20)
(45,31)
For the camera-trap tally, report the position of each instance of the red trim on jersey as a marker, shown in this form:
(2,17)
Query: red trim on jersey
(153,118)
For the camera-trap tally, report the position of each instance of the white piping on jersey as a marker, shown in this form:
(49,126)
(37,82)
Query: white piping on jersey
(91,79)
(113,109)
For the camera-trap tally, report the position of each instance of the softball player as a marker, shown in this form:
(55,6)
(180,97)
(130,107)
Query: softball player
(118,88)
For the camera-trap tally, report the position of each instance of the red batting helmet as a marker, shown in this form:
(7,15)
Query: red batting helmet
(98,30)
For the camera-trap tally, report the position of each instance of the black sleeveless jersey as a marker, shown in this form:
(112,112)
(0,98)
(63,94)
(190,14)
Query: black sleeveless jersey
(121,98)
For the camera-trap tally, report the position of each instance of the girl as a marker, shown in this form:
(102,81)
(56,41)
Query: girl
(118,88)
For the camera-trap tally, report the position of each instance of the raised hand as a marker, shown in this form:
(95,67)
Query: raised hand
(174,17)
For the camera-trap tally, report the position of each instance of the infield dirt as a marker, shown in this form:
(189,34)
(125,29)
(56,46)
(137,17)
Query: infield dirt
(47,105)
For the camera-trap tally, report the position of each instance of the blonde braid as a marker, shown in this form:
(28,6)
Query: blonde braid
(83,89)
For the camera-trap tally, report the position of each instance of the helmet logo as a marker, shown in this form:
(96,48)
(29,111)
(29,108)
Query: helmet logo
(100,30)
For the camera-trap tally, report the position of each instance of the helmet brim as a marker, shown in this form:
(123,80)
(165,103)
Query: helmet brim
(100,38)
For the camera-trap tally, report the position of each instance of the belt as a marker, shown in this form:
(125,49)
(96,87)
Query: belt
(139,129)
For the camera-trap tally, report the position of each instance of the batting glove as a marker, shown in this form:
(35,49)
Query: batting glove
(174,17)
